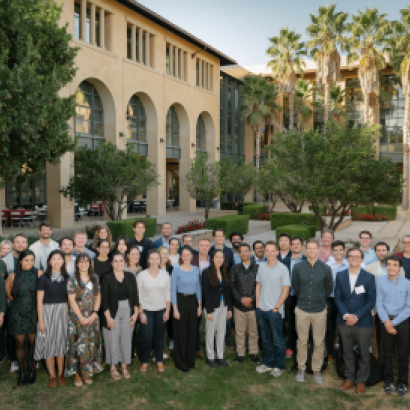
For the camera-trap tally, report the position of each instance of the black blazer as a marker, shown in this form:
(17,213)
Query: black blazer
(109,295)
(212,294)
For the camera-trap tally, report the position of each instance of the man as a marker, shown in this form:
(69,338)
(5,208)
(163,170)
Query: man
(67,247)
(284,247)
(2,315)
(7,265)
(325,251)
(219,239)
(242,279)
(393,307)
(312,282)
(355,297)
(166,231)
(272,289)
(80,240)
(290,304)
(365,238)
(236,238)
(405,255)
(140,241)
(188,240)
(337,263)
(258,252)
(202,262)
(43,247)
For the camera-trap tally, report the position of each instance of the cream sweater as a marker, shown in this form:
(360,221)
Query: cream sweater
(154,293)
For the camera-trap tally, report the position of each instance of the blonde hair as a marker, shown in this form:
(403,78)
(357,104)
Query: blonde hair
(97,237)
(5,242)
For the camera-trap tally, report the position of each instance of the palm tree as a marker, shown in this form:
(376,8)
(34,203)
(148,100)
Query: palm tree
(338,110)
(368,34)
(259,102)
(399,47)
(286,51)
(303,96)
(326,32)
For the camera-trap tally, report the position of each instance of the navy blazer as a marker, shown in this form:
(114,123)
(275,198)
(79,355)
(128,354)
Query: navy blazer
(361,304)
(228,252)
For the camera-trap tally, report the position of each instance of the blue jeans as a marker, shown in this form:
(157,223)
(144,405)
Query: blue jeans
(271,332)
(154,330)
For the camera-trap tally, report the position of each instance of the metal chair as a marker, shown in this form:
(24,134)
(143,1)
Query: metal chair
(94,209)
(4,220)
(15,217)
(28,218)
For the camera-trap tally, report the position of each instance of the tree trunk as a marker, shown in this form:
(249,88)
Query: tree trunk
(206,210)
(366,107)
(291,111)
(327,95)
(257,154)
(406,151)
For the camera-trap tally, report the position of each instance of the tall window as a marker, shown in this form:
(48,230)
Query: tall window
(32,192)
(77,21)
(167,60)
(129,44)
(172,128)
(354,98)
(136,120)
(89,120)
(200,134)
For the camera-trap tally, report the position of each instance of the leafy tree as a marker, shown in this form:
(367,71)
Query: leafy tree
(399,47)
(266,185)
(111,175)
(286,51)
(336,168)
(237,179)
(36,61)
(326,32)
(303,103)
(202,180)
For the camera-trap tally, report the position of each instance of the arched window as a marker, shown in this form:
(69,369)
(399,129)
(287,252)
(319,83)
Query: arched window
(200,134)
(136,120)
(89,120)
(172,128)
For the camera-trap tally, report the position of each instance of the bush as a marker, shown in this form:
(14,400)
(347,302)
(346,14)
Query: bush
(264,217)
(30,239)
(90,229)
(190,226)
(254,210)
(370,217)
(229,223)
(227,205)
(282,219)
(389,211)
(124,227)
(304,231)
(322,208)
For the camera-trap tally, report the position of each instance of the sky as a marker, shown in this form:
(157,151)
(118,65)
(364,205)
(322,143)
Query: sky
(241,29)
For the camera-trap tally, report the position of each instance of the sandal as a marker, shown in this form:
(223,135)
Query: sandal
(161,367)
(115,375)
(125,373)
(144,367)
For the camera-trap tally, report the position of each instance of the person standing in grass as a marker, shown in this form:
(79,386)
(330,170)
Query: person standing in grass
(174,251)
(133,257)
(102,262)
(272,289)
(102,232)
(84,339)
(139,240)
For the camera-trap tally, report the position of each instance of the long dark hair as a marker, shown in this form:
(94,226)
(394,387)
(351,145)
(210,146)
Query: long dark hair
(48,271)
(127,255)
(91,273)
(213,277)
(121,238)
(18,269)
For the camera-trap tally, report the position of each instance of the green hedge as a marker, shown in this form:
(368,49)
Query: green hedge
(227,205)
(304,231)
(390,211)
(322,208)
(254,210)
(124,227)
(281,219)
(229,223)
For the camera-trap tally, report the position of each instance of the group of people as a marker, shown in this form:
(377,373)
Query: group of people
(77,306)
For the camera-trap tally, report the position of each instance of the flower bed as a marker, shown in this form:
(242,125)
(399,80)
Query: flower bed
(370,217)
(265,216)
(190,226)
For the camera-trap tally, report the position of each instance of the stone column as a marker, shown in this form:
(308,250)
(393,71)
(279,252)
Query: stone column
(140,60)
(133,45)
(92,37)
(176,62)
(210,77)
(84,20)
(102,28)
(147,55)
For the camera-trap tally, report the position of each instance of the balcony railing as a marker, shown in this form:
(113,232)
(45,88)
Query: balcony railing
(139,146)
(173,152)
(89,141)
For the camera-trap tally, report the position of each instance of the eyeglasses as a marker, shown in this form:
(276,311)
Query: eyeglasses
(83,262)
(354,257)
(406,243)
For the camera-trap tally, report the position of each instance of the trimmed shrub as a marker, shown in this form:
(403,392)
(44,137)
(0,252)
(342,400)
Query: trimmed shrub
(389,210)
(124,227)
(227,205)
(281,219)
(322,208)
(254,210)
(229,223)
(304,231)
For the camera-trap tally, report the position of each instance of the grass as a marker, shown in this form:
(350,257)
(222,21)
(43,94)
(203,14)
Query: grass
(238,386)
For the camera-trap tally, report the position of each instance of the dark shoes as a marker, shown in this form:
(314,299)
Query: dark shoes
(389,388)
(21,381)
(239,359)
(222,362)
(401,389)
(212,363)
(31,378)
(254,358)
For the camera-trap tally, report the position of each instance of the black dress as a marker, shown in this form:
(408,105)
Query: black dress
(23,307)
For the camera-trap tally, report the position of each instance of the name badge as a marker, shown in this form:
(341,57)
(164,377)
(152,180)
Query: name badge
(360,289)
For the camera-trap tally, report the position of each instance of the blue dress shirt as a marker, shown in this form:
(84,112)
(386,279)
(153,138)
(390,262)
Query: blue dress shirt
(185,282)
(236,258)
(335,270)
(293,262)
(369,257)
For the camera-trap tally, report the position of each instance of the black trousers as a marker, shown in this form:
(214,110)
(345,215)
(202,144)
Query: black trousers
(185,332)
(7,340)
(198,337)
(331,325)
(170,325)
(290,322)
(402,342)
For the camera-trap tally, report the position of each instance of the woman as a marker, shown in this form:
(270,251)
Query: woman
(133,260)
(84,341)
(218,306)
(154,291)
(21,289)
(52,310)
(102,232)
(166,265)
(120,312)
(5,248)
(174,251)
(121,246)
(102,263)
(187,302)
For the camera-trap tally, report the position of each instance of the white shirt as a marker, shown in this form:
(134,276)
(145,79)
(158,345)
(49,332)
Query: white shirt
(41,252)
(353,280)
(154,293)
(174,259)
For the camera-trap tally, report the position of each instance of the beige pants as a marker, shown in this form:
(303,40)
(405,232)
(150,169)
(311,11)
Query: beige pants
(318,322)
(244,320)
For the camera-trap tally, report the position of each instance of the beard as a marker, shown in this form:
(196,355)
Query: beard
(67,253)
(236,245)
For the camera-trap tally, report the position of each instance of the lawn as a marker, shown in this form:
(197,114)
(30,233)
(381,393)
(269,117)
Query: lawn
(238,386)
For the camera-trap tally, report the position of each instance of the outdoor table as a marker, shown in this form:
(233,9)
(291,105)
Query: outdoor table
(7,213)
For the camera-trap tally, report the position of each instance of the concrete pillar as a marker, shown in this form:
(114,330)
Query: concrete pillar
(200,74)
(92,37)
(171,59)
(84,20)
(147,54)
(176,62)
(102,28)
(133,45)
(182,65)
(210,77)
(140,60)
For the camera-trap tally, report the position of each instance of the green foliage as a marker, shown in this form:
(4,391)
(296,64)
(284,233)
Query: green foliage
(124,227)
(31,239)
(303,96)
(111,175)
(227,205)
(36,61)
(304,231)
(254,210)
(282,219)
(229,223)
(390,211)
(322,209)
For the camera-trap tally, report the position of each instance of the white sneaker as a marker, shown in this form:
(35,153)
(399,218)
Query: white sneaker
(171,345)
(164,356)
(14,367)
(263,369)
(276,372)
